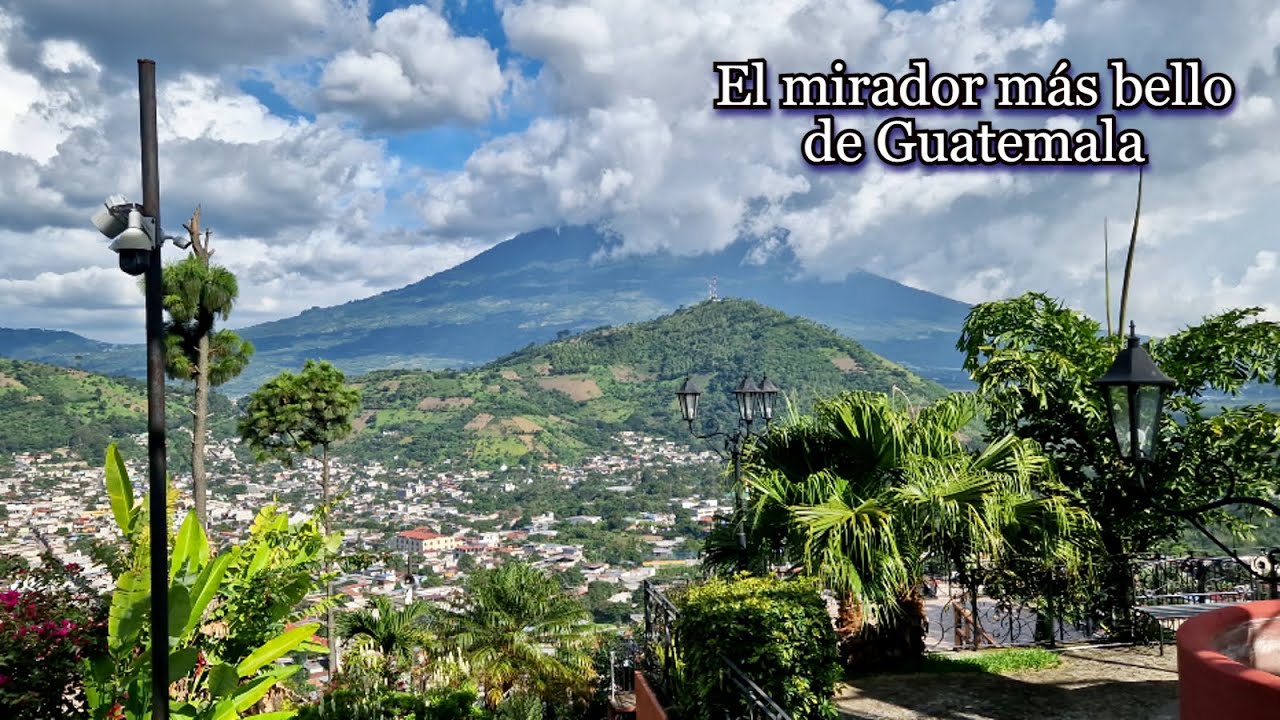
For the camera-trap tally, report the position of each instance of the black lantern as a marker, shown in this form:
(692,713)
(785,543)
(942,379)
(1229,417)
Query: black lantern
(1134,390)
(747,394)
(688,395)
(768,397)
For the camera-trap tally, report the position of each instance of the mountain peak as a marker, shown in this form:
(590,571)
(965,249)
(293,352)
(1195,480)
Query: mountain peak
(540,284)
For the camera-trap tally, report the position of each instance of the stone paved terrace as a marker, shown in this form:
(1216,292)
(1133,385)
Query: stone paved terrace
(1129,683)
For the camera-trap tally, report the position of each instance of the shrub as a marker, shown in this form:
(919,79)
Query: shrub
(350,704)
(47,630)
(778,632)
(520,707)
(453,704)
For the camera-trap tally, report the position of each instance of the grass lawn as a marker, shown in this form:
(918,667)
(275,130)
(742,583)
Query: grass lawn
(992,661)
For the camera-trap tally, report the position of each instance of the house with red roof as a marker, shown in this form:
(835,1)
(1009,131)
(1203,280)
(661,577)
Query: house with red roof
(423,541)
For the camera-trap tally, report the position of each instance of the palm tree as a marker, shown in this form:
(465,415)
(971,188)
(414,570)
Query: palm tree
(396,635)
(865,489)
(519,632)
(196,294)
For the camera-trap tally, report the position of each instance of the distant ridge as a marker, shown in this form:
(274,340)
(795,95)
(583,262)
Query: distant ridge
(541,283)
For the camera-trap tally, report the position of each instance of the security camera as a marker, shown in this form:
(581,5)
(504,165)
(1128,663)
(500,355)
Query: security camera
(182,242)
(135,243)
(134,262)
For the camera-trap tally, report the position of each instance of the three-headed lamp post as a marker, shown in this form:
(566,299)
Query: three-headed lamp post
(756,404)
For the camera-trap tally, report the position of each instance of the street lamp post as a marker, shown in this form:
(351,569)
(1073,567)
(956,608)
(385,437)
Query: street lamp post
(1134,390)
(156,451)
(755,403)
(137,241)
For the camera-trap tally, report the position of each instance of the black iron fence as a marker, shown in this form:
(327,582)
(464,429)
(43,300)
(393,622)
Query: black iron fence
(662,666)
(957,618)
(1218,579)
(965,622)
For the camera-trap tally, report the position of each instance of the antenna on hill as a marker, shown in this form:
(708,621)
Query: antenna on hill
(712,295)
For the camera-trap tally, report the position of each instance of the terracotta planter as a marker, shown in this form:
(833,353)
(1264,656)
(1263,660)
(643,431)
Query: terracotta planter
(1226,661)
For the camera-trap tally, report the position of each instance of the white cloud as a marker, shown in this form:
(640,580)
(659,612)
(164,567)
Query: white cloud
(315,212)
(635,146)
(413,72)
(200,35)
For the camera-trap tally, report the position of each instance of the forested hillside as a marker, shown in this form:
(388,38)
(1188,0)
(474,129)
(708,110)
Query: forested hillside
(568,398)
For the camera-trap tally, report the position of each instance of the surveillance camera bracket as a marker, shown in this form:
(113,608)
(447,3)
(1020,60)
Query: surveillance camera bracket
(121,210)
(149,227)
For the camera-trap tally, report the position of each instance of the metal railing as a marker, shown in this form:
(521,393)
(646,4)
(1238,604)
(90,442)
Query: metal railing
(757,701)
(660,662)
(1203,575)
(960,622)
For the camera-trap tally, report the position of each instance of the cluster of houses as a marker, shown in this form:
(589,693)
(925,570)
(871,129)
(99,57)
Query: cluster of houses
(420,519)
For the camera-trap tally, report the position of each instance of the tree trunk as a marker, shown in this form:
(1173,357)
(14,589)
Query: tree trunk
(895,642)
(850,618)
(905,630)
(1119,585)
(330,621)
(199,483)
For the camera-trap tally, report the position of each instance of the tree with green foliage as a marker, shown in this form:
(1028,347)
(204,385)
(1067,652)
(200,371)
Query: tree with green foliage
(865,490)
(394,634)
(196,294)
(519,631)
(292,414)
(1035,359)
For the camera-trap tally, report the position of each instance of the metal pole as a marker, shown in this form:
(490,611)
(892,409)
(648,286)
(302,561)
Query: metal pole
(737,501)
(157,469)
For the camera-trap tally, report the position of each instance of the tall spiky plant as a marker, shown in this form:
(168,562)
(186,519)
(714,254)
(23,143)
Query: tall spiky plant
(1128,262)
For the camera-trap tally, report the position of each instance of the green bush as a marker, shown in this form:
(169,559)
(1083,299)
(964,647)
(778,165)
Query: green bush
(520,707)
(453,704)
(349,704)
(778,632)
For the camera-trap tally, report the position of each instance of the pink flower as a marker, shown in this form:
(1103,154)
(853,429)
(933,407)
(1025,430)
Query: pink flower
(9,599)
(4,679)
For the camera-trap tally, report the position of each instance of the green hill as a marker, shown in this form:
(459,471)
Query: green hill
(44,407)
(568,398)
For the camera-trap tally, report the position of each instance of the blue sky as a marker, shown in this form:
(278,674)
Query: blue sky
(342,148)
(448,147)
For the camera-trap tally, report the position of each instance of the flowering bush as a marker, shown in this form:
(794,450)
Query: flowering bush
(49,623)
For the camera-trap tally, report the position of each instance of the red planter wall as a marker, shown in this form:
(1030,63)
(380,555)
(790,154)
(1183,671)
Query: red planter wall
(647,705)
(1212,685)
